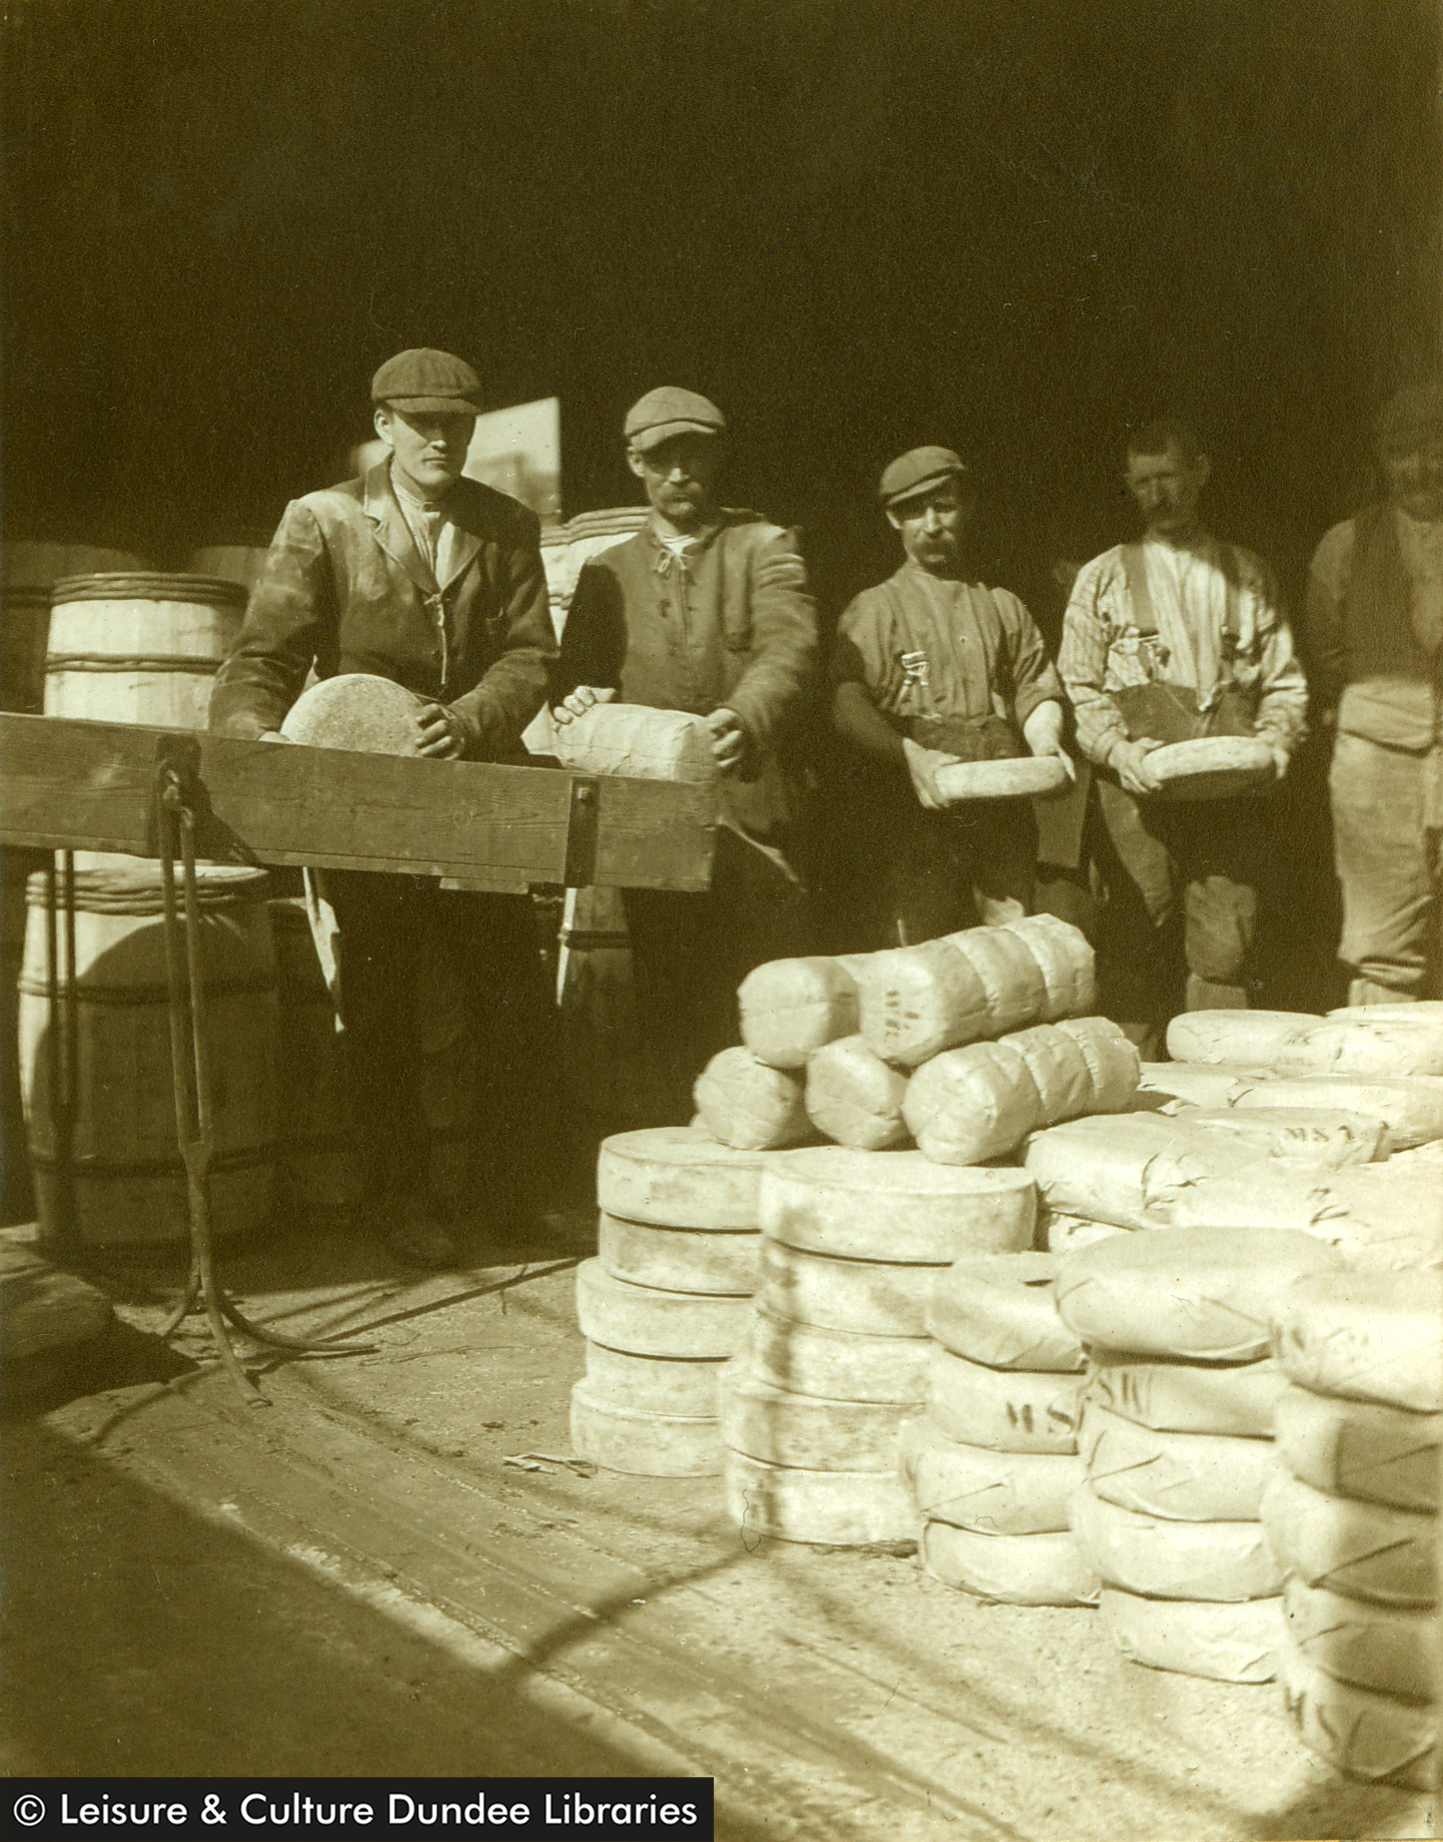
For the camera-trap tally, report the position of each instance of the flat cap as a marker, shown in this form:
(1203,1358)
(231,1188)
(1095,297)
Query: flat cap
(918,470)
(430,383)
(662,413)
(1411,416)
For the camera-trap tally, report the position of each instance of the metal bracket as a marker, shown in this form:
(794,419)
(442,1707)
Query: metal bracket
(581,828)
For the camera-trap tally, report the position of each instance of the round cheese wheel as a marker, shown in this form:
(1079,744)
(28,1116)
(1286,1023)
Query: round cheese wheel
(678,1177)
(1411,1107)
(1186,1291)
(1114,1169)
(968,1105)
(684,1386)
(1244,1039)
(1112,1061)
(1399,1043)
(1009,973)
(1006,1410)
(639,741)
(748,1105)
(995,1493)
(644,1444)
(1225,1561)
(783,1428)
(1384,1216)
(830,1509)
(1200,1637)
(998,1310)
(1357,1730)
(1430,1008)
(357,711)
(1391,1648)
(791,1007)
(1238,1399)
(854,1097)
(1065,958)
(1017,777)
(1046,1569)
(1059,1068)
(1325,1138)
(680,1259)
(1064,1234)
(1364,1550)
(648,1322)
(1361,1448)
(897,1206)
(1212,767)
(913,1002)
(1366,1336)
(840,1365)
(879,1297)
(1201,1084)
(1182,1477)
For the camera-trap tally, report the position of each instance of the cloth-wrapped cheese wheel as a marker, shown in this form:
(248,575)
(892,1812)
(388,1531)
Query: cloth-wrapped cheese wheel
(1007,1410)
(1187,1292)
(1363,1550)
(1112,1061)
(636,740)
(1189,1084)
(1125,1169)
(915,1002)
(1175,1396)
(1248,1039)
(1045,1569)
(896,1206)
(1399,1041)
(1410,1106)
(750,1106)
(968,1105)
(1197,1637)
(1391,1648)
(1011,977)
(1066,961)
(1057,1064)
(996,1493)
(1357,1730)
(999,1310)
(1361,1448)
(791,1007)
(1223,1561)
(854,1097)
(1366,1336)
(1064,1234)
(1182,1477)
(1322,1137)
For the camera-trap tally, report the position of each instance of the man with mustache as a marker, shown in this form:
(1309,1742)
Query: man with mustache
(417,574)
(1177,636)
(1375,619)
(931,668)
(707,610)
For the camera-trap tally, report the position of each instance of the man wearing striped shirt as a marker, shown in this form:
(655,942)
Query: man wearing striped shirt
(1177,636)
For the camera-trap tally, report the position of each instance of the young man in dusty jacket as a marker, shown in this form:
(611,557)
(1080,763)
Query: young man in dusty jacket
(706,610)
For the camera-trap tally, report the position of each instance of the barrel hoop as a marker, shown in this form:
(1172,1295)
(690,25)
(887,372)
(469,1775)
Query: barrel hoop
(145,585)
(197,663)
(244,1157)
(121,996)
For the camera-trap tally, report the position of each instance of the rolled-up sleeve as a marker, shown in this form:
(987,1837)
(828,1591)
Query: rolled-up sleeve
(291,608)
(783,618)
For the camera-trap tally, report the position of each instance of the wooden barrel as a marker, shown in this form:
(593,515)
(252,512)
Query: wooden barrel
(29,572)
(316,1168)
(139,647)
(130,1182)
(603,1068)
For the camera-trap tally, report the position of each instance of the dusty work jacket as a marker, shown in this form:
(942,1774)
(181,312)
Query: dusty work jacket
(731,624)
(345,587)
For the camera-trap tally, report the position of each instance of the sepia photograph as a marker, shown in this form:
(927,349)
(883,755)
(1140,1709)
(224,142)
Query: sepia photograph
(721,833)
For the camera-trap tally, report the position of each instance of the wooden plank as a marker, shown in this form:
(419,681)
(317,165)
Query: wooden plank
(88,786)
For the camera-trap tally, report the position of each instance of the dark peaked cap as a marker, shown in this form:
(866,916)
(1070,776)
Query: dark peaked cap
(918,470)
(429,383)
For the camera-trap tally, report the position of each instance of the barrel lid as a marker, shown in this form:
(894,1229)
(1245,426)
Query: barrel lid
(140,890)
(150,585)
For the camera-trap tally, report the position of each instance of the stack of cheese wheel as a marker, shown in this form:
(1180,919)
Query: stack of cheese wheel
(1176,1437)
(838,1353)
(994,1465)
(664,1304)
(1352,1515)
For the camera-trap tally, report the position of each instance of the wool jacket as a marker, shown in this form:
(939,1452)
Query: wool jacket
(345,587)
(730,624)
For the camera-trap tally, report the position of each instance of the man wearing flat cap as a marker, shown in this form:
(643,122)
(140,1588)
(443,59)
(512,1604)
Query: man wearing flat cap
(417,574)
(1375,623)
(706,610)
(930,668)
(1171,639)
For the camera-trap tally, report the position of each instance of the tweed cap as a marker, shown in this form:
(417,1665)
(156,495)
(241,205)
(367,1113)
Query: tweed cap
(1411,416)
(429,383)
(668,411)
(916,471)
